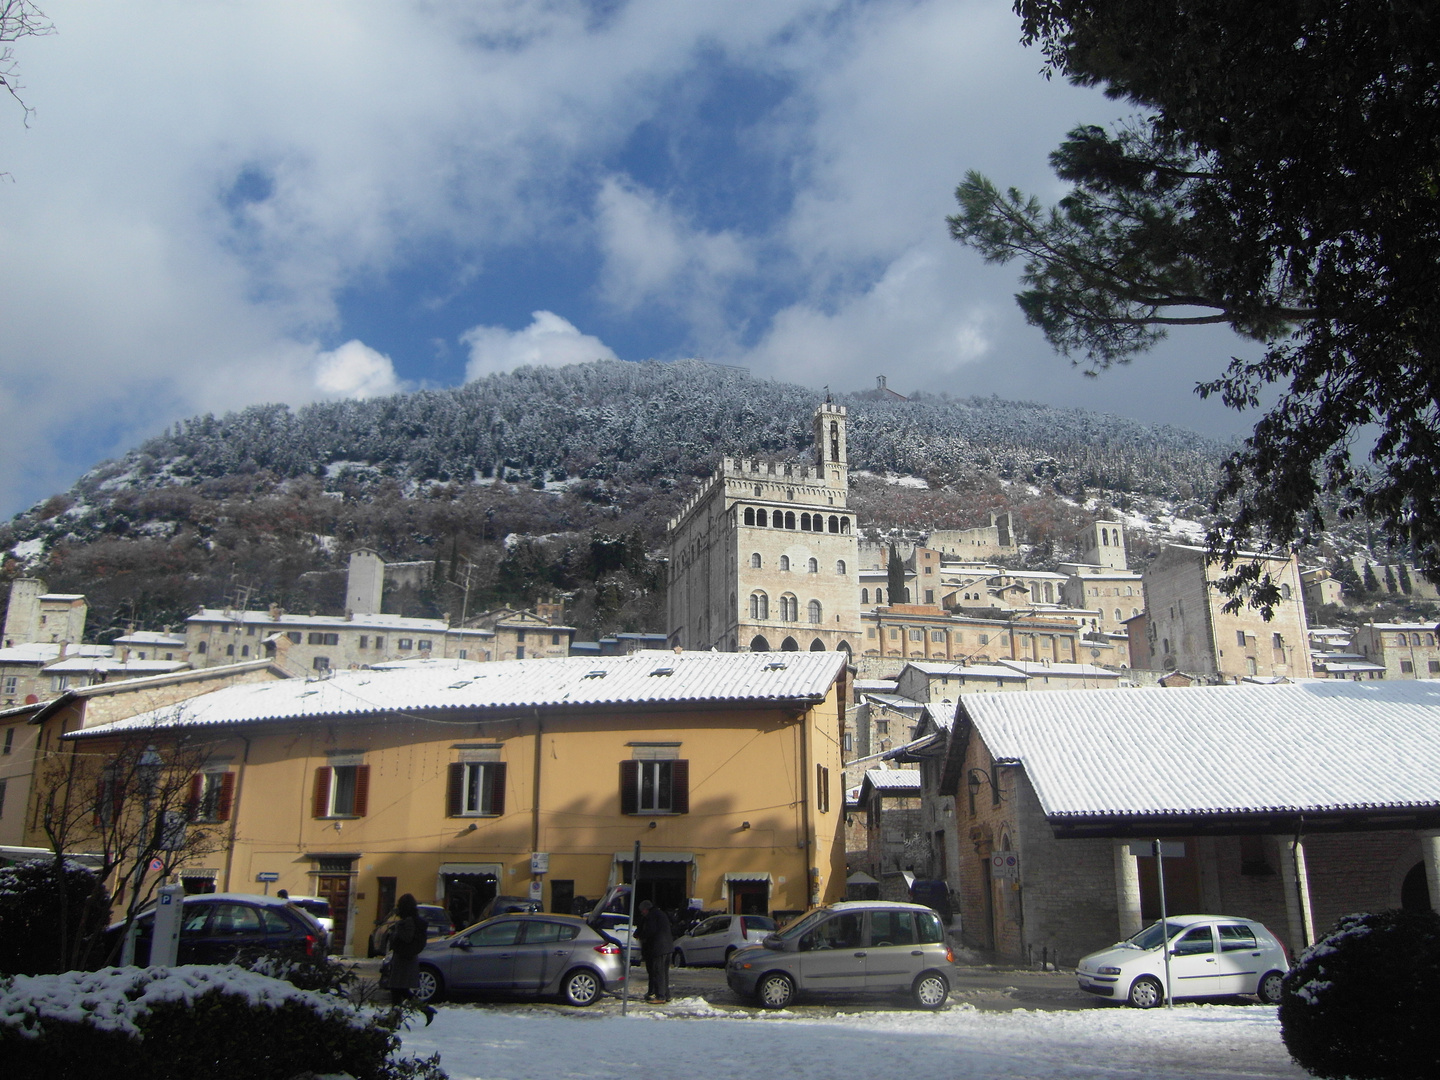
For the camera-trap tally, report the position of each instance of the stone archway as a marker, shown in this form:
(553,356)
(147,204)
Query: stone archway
(817,645)
(789,645)
(759,644)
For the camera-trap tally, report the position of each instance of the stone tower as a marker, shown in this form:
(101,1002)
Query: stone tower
(1102,543)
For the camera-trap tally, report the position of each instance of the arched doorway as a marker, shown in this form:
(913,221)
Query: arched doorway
(759,644)
(789,645)
(1415,890)
(817,645)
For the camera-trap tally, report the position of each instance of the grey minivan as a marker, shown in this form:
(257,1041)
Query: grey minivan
(862,946)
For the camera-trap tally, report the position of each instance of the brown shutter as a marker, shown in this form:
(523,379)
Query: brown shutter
(227,796)
(362,789)
(680,786)
(455,790)
(321,801)
(192,803)
(497,787)
(629,787)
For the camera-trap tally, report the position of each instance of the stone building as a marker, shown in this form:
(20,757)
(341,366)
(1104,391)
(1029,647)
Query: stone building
(1101,581)
(992,541)
(1187,629)
(35,614)
(1404,650)
(764,556)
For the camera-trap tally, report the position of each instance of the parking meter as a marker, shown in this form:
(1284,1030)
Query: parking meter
(165,945)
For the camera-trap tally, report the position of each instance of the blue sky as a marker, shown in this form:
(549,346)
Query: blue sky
(218,205)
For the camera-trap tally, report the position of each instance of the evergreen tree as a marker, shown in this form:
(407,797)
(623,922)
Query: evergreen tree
(1406,585)
(895,577)
(1372,583)
(1390,586)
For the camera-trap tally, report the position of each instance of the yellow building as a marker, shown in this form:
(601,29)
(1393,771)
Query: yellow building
(459,781)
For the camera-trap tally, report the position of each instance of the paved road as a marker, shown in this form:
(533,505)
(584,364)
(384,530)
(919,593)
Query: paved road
(991,989)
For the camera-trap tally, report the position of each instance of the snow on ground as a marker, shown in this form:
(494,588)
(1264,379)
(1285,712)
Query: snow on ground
(691,1039)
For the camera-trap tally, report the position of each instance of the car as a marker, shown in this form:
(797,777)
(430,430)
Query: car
(504,905)
(859,946)
(526,954)
(216,927)
(319,907)
(712,940)
(1210,956)
(437,925)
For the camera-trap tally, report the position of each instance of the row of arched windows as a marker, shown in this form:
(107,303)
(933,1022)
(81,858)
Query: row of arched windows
(880,596)
(760,644)
(786,519)
(813,565)
(1109,537)
(789,608)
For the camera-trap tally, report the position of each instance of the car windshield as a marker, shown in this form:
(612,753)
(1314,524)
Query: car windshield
(803,923)
(1149,938)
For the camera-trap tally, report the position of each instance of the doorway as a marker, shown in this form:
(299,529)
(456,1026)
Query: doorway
(664,884)
(750,898)
(467,894)
(336,889)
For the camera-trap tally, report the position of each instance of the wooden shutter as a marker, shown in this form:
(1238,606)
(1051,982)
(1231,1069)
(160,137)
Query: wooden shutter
(455,791)
(497,786)
(680,786)
(321,801)
(227,796)
(629,787)
(192,804)
(362,789)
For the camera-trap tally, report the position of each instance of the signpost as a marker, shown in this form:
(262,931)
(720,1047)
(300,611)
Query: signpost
(1160,848)
(266,877)
(630,933)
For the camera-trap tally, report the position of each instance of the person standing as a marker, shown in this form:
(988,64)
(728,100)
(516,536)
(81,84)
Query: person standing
(407,939)
(657,942)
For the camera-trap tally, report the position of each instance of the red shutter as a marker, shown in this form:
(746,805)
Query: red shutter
(321,801)
(497,787)
(227,796)
(192,804)
(680,786)
(362,789)
(629,787)
(456,790)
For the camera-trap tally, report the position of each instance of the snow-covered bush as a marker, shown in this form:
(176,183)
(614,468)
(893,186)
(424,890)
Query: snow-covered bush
(47,917)
(223,1023)
(1363,1001)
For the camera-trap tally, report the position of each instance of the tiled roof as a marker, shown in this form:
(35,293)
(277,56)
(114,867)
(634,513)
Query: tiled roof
(1309,746)
(656,678)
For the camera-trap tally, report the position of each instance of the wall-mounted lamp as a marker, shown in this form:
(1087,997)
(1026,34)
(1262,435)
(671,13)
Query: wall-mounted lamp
(652,824)
(744,825)
(472,827)
(975,779)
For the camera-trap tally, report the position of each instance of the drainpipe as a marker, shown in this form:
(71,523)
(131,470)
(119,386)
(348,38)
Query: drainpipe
(235,812)
(535,811)
(811,882)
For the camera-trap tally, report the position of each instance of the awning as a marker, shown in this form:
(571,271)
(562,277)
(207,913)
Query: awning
(655,856)
(748,875)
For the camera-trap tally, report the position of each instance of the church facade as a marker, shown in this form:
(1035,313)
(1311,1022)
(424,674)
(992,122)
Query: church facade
(764,557)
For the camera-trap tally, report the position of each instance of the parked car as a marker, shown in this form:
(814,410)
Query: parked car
(528,954)
(505,905)
(712,940)
(858,946)
(437,925)
(217,927)
(318,907)
(1210,956)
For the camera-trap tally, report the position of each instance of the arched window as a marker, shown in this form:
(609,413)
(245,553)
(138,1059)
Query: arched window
(200,648)
(759,491)
(840,567)
(804,522)
(760,518)
(816,614)
(1118,616)
(1414,639)
(759,606)
(879,596)
(759,644)
(814,566)
(1049,593)
(1129,591)
(789,608)
(1105,537)
(789,519)
(844,524)
(864,596)
(907,599)
(789,645)
(784,562)
(749,515)
(834,524)
(755,561)
(817,645)
(834,440)
(1429,639)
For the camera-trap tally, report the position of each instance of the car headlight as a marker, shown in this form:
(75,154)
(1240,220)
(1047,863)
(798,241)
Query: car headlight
(1109,971)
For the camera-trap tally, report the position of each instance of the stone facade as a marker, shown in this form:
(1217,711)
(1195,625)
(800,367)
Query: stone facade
(765,557)
(35,614)
(1406,650)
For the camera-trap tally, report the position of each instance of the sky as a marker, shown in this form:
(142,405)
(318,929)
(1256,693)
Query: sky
(214,205)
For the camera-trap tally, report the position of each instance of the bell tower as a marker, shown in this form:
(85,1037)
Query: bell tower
(831,453)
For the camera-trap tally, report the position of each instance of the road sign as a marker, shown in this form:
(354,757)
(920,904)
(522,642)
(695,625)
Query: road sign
(1004,864)
(1170,849)
(267,875)
(156,864)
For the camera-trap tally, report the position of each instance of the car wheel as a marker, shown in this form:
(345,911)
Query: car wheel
(930,990)
(775,991)
(1270,986)
(1146,993)
(679,958)
(431,987)
(581,987)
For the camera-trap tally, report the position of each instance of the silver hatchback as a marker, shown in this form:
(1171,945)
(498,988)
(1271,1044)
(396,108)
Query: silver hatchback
(862,946)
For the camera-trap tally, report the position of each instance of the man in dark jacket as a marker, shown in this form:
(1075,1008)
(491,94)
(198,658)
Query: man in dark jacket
(657,942)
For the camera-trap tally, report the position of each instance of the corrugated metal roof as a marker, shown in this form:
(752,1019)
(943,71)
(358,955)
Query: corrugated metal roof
(640,678)
(1309,746)
(886,780)
(1068,671)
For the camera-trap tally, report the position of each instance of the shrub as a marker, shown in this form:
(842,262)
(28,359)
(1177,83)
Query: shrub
(223,1023)
(31,895)
(1363,1001)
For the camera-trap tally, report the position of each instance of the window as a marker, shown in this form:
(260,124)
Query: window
(1434,668)
(755,561)
(322,639)
(62,682)
(201,648)
(321,663)
(423,644)
(1195,942)
(244,651)
(937,635)
(750,514)
(364,641)
(210,796)
(405,644)
(229,650)
(814,566)
(341,791)
(9,740)
(1406,666)
(519,652)
(294,636)
(929,594)
(865,598)
(840,567)
(784,562)
(789,608)
(917,635)
(822,789)
(759,606)
(892,928)
(379,642)
(555,638)
(655,787)
(1235,938)
(815,613)
(1277,641)
(477,789)
(1240,638)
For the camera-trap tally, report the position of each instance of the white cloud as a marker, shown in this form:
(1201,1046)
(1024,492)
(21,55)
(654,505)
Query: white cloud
(549,341)
(355,370)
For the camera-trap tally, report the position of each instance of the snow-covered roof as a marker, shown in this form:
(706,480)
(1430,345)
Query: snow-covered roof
(72,664)
(151,637)
(942,715)
(892,781)
(656,678)
(1312,746)
(42,652)
(1401,626)
(357,621)
(895,701)
(1036,668)
(879,686)
(967,671)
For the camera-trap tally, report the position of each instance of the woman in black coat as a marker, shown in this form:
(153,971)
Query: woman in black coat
(407,939)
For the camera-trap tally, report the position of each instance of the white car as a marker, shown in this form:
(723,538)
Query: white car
(1210,956)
